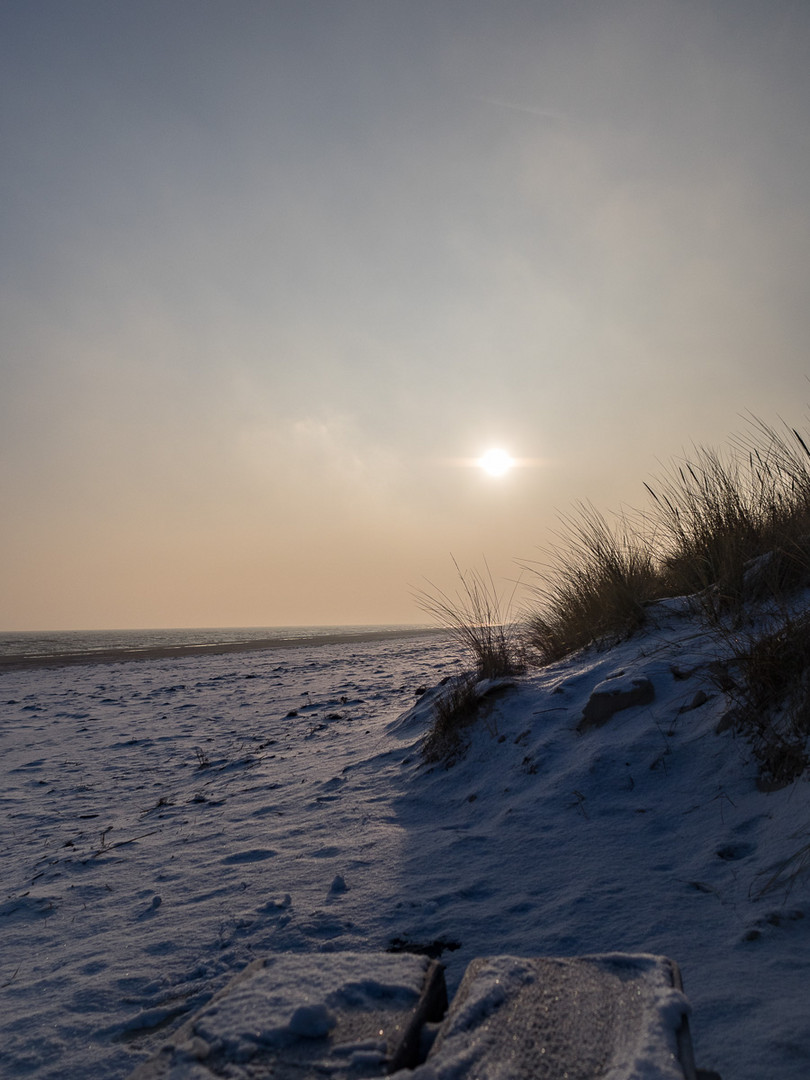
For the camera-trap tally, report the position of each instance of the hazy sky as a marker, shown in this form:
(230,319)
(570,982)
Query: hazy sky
(273,271)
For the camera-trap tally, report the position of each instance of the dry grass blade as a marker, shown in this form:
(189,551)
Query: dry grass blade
(786,874)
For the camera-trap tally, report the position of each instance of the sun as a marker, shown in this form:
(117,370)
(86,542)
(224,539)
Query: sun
(496,462)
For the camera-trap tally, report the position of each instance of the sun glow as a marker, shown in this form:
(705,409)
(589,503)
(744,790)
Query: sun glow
(496,462)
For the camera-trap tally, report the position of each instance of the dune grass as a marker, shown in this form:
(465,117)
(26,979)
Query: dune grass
(728,530)
(767,680)
(454,710)
(731,532)
(718,512)
(596,586)
(479,620)
(724,529)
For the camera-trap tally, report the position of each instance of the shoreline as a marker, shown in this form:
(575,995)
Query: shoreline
(122,654)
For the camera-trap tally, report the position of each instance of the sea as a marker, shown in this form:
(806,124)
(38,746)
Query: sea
(26,649)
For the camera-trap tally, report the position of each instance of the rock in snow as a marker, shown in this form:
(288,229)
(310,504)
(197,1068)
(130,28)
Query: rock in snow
(614,694)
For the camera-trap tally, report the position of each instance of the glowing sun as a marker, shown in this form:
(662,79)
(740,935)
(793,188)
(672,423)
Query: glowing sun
(496,462)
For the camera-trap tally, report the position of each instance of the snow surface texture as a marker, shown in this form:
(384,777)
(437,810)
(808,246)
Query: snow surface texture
(167,822)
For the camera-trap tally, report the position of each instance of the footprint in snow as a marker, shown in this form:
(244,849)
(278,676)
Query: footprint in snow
(773,920)
(733,852)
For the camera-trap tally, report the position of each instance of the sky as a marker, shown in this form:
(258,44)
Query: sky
(274,275)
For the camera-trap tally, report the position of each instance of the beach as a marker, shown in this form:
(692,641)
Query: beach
(167,821)
(54,656)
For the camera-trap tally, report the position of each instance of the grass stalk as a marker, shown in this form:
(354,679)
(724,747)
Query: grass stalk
(477,618)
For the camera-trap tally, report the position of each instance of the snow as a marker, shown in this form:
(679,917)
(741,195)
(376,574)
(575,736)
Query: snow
(166,822)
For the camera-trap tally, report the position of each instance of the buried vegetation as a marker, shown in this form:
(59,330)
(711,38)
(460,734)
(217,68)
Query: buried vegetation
(454,710)
(464,700)
(480,621)
(768,682)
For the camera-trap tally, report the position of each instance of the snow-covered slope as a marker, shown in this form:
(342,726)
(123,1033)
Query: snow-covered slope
(166,822)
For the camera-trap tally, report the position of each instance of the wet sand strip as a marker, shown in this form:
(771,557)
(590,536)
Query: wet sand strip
(21,662)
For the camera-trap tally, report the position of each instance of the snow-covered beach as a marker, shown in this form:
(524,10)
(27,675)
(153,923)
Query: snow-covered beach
(167,821)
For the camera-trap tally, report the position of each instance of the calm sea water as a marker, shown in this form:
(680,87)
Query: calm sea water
(71,646)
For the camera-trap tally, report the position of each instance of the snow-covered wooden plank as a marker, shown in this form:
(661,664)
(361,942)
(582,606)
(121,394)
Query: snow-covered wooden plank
(617,1016)
(341,1015)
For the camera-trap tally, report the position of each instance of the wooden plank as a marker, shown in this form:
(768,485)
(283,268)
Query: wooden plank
(617,1015)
